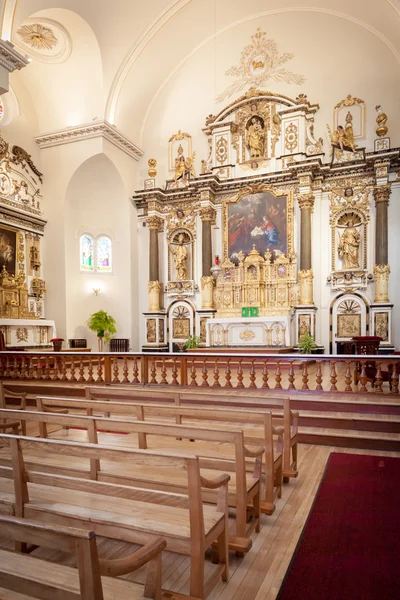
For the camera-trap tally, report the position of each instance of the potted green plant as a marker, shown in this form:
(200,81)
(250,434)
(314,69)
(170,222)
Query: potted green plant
(192,342)
(307,344)
(104,326)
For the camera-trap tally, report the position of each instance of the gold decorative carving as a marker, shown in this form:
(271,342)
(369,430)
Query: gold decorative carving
(203,329)
(155,222)
(207,213)
(291,137)
(304,326)
(356,108)
(348,325)
(152,163)
(38,287)
(247,335)
(179,219)
(181,328)
(22,334)
(381,121)
(306,287)
(151,331)
(381,274)
(161,331)
(260,61)
(154,289)
(382,193)
(381,325)
(181,258)
(221,148)
(306,201)
(207,288)
(37,36)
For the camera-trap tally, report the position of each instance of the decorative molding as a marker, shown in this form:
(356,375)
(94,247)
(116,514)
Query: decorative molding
(102,129)
(10,58)
(43,39)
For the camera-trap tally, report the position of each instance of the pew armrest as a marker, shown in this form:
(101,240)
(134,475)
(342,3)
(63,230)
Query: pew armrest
(122,566)
(254,453)
(278,430)
(213,484)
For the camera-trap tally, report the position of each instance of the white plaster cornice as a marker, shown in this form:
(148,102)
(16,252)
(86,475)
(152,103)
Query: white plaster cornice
(102,129)
(10,58)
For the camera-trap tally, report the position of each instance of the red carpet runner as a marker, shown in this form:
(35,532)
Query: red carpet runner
(350,546)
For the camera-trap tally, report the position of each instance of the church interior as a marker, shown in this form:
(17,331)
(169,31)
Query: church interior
(199,314)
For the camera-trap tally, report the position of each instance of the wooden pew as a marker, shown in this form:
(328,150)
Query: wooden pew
(33,576)
(261,431)
(289,419)
(4,394)
(117,511)
(244,490)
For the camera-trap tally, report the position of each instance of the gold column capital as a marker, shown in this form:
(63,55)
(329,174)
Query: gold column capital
(207,213)
(382,193)
(155,222)
(306,201)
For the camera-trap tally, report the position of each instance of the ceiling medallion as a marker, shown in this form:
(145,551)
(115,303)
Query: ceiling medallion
(260,61)
(37,36)
(44,40)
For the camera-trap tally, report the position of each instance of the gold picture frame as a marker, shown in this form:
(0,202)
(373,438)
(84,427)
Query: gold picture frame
(250,190)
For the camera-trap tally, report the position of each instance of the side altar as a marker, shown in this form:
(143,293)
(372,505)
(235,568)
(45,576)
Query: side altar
(22,289)
(256,331)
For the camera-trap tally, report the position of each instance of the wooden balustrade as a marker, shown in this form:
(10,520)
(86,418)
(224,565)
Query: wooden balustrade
(295,372)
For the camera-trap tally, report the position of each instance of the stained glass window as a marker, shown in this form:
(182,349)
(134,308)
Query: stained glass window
(104,256)
(86,253)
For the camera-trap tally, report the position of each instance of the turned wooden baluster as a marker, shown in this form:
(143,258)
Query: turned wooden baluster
(30,368)
(252,376)
(115,370)
(23,368)
(347,378)
(378,379)
(174,373)
(153,372)
(63,369)
(319,377)
(193,382)
(291,377)
(46,373)
(125,371)
(7,371)
(15,373)
(363,378)
(90,372)
(333,376)
(135,370)
(228,375)
(265,384)
(99,371)
(164,373)
(395,382)
(72,377)
(278,376)
(204,374)
(305,377)
(216,375)
(81,371)
(240,375)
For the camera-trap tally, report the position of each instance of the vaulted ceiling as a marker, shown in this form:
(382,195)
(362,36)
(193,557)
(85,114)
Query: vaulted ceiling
(122,53)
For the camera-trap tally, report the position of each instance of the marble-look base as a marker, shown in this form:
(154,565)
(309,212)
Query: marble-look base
(28,332)
(252,331)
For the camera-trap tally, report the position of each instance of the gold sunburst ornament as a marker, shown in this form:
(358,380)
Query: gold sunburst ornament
(37,36)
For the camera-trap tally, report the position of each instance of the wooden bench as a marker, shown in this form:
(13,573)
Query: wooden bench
(256,425)
(38,578)
(4,394)
(289,419)
(117,511)
(223,450)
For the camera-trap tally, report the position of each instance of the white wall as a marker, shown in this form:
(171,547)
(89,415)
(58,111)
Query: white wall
(96,203)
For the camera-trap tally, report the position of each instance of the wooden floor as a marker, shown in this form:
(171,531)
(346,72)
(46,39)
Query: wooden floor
(259,574)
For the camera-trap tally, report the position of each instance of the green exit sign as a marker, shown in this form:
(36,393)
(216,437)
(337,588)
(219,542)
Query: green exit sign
(250,311)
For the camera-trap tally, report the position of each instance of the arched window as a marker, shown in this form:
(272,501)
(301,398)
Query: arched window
(104,254)
(86,253)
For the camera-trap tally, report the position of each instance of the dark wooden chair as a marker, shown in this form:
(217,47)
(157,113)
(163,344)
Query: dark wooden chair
(369,345)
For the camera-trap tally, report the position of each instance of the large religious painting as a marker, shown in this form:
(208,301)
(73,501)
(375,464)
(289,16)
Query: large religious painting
(261,220)
(8,249)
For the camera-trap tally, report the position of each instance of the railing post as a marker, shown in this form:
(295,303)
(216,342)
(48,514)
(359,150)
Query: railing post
(144,369)
(183,368)
(107,369)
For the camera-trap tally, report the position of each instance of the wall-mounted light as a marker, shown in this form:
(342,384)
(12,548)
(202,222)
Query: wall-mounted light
(96,291)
